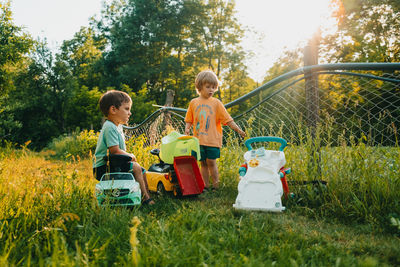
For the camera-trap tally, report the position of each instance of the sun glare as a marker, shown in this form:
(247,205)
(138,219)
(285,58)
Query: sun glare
(288,20)
(284,24)
(300,20)
(315,14)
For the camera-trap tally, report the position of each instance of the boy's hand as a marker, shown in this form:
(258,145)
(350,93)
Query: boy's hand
(133,157)
(187,128)
(242,133)
(236,128)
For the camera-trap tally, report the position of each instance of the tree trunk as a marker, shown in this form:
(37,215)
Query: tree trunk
(169,100)
(312,103)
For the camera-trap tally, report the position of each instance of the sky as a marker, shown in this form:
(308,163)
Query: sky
(275,24)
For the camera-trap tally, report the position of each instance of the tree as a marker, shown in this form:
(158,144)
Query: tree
(82,110)
(37,99)
(369,31)
(14,45)
(141,45)
(162,45)
(82,55)
(220,35)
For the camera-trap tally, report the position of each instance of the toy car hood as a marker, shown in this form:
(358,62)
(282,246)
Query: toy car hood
(116,184)
(117,181)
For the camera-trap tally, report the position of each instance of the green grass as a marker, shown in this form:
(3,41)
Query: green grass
(49,216)
(207,230)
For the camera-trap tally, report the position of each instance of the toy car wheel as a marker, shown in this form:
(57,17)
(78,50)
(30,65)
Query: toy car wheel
(160,189)
(177,191)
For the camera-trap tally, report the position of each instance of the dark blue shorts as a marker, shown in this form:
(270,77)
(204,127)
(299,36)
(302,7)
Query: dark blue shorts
(209,152)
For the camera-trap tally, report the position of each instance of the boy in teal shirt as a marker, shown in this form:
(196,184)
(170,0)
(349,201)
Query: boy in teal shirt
(116,107)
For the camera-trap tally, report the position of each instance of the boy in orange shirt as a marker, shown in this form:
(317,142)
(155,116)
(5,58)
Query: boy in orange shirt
(206,114)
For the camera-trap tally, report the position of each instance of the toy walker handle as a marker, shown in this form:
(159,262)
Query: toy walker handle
(282,141)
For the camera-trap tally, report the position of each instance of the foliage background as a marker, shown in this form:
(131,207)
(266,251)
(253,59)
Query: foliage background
(149,47)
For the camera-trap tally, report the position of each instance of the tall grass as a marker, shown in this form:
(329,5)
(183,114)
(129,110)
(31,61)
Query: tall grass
(49,216)
(48,210)
(363,183)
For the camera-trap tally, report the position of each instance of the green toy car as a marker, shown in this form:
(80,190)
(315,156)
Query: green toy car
(118,189)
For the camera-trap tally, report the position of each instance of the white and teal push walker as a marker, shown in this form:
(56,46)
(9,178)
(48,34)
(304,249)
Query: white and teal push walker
(262,177)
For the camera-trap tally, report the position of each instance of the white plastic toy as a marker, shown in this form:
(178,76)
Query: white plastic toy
(263,178)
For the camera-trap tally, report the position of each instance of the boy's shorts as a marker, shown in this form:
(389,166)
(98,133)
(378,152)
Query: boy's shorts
(209,152)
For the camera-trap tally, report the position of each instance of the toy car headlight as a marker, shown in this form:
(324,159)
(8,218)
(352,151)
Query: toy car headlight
(98,191)
(134,188)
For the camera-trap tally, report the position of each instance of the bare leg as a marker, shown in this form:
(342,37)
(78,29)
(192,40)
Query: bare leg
(137,172)
(145,181)
(205,173)
(213,168)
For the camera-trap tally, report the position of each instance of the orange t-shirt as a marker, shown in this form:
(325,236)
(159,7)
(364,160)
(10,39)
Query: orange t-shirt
(206,116)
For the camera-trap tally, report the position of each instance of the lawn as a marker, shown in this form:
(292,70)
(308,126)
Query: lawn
(49,216)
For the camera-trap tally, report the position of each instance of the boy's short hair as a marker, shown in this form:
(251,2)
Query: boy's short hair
(113,98)
(206,76)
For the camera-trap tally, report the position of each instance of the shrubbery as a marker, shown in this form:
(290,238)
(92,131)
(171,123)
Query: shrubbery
(81,144)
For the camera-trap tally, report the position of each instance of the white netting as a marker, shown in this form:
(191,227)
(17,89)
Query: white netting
(157,126)
(350,107)
(347,107)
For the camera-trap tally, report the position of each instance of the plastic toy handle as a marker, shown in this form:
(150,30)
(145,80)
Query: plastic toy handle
(282,141)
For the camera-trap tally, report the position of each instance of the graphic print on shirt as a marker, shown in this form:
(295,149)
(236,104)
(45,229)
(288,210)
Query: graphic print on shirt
(203,120)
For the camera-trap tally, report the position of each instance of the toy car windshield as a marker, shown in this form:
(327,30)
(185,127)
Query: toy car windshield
(117,176)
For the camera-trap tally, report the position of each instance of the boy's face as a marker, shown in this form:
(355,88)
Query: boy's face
(208,90)
(121,115)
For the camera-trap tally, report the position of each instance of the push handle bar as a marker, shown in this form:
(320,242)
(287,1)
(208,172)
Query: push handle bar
(282,141)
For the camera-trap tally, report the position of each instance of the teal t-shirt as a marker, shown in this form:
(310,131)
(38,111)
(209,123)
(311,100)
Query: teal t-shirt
(110,135)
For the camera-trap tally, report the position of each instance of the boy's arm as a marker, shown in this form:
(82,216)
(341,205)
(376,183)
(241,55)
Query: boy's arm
(236,128)
(187,128)
(118,151)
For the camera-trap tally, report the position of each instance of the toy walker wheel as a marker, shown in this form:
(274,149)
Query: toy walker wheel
(160,189)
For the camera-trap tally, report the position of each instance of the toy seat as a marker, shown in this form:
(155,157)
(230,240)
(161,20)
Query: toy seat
(118,163)
(176,145)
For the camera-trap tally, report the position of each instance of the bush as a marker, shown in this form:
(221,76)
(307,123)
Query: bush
(81,144)
(137,146)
